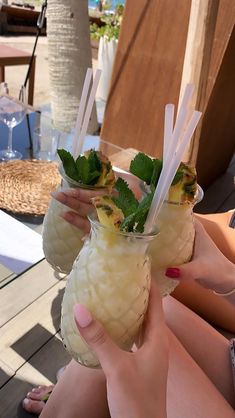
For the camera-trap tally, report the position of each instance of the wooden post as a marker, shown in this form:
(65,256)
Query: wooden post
(210,26)
(147,72)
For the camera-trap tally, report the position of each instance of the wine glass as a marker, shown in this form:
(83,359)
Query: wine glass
(12,112)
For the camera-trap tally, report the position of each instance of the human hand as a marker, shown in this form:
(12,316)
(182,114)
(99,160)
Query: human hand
(136,382)
(79,200)
(208,266)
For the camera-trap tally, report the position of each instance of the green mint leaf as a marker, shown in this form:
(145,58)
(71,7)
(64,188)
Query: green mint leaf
(94,162)
(93,178)
(142,167)
(95,168)
(128,223)
(83,169)
(157,168)
(142,213)
(126,200)
(135,221)
(68,163)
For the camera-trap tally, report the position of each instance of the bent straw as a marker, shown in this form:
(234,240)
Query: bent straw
(81,109)
(163,186)
(88,113)
(168,130)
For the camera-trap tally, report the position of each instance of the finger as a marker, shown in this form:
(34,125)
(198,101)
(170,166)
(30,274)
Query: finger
(97,338)
(188,271)
(76,220)
(154,320)
(85,195)
(79,206)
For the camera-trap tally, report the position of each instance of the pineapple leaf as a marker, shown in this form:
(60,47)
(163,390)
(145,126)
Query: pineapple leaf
(68,163)
(142,167)
(126,200)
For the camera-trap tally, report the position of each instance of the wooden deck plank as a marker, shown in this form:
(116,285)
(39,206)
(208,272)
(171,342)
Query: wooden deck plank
(5,273)
(30,329)
(25,289)
(41,369)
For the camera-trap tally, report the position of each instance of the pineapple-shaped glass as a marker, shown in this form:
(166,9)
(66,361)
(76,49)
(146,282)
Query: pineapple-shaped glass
(61,240)
(111,277)
(174,245)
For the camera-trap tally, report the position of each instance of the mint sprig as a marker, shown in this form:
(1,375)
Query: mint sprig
(142,167)
(83,170)
(135,221)
(68,162)
(126,200)
(149,170)
(135,212)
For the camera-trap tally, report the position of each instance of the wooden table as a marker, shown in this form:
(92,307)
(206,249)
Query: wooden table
(11,56)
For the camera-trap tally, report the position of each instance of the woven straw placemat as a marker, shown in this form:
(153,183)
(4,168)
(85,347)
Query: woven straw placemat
(25,186)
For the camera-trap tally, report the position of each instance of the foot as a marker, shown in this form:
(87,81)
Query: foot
(36,399)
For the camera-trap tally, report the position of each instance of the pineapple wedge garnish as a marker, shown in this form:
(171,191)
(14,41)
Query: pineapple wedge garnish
(184,186)
(108,213)
(107,177)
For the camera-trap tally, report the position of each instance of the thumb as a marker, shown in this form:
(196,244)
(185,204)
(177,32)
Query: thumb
(96,337)
(188,271)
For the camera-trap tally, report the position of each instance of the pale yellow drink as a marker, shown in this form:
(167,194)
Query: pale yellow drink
(111,277)
(174,245)
(61,240)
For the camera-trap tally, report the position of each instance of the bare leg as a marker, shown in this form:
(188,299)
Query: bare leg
(190,393)
(80,393)
(216,225)
(207,347)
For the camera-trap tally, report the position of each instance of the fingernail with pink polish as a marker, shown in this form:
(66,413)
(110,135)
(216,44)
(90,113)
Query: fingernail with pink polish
(82,315)
(173,272)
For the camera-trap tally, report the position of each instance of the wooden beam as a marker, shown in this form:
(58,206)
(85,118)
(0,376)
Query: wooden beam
(210,27)
(147,73)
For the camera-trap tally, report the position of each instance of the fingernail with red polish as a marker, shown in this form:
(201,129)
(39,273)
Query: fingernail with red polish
(173,272)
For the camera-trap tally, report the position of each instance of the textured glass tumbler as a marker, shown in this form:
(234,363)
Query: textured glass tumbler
(61,240)
(111,277)
(174,245)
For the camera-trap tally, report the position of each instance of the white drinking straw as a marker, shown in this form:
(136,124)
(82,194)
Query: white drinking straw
(81,109)
(87,115)
(168,130)
(166,179)
(180,122)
